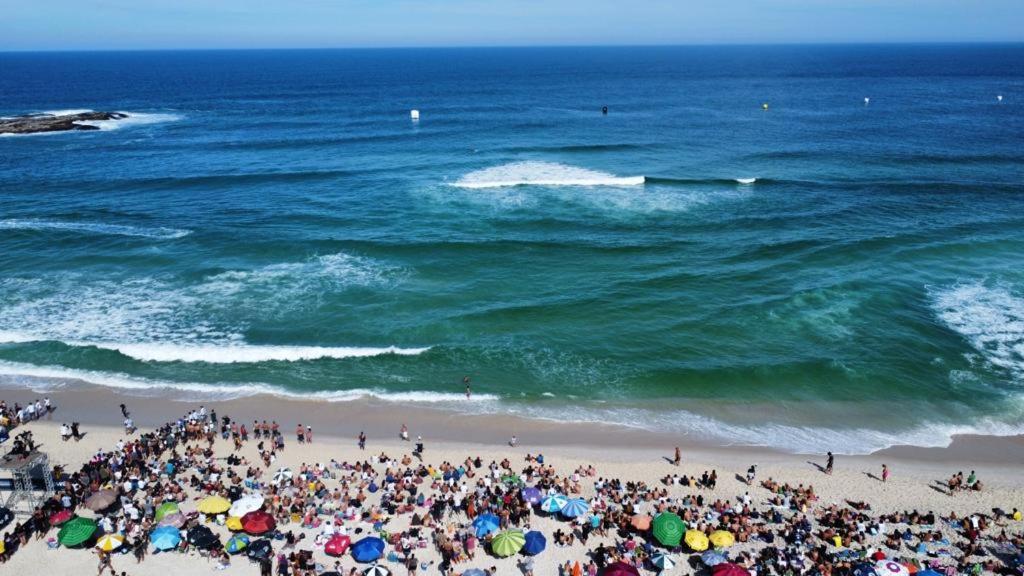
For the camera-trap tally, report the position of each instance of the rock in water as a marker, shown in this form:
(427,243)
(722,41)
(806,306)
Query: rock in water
(35,123)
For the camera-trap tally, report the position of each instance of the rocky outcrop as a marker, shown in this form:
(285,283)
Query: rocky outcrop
(34,123)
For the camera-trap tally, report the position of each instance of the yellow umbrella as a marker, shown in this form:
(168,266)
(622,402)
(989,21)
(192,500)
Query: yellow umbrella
(110,542)
(722,539)
(214,505)
(234,523)
(696,540)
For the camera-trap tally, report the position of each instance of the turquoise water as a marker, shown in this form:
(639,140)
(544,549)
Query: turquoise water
(276,222)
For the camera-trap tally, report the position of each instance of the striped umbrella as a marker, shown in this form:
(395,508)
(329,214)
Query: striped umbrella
(76,531)
(165,509)
(553,503)
(663,561)
(237,543)
(377,570)
(575,507)
(110,542)
(668,529)
(282,475)
(508,543)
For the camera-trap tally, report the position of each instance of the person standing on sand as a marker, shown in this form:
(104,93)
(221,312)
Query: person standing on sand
(828,463)
(885,472)
(404,433)
(679,457)
(124,411)
(362,440)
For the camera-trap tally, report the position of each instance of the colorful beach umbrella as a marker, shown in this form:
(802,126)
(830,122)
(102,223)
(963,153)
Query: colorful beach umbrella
(668,529)
(377,570)
(485,524)
(214,505)
(713,558)
(474,572)
(890,568)
(696,540)
(368,549)
(76,531)
(246,504)
(535,543)
(237,543)
(337,545)
(233,523)
(663,561)
(176,519)
(641,522)
(109,542)
(575,507)
(620,569)
(729,569)
(100,500)
(61,517)
(864,569)
(282,475)
(508,543)
(532,495)
(258,522)
(553,503)
(165,509)
(165,538)
(722,539)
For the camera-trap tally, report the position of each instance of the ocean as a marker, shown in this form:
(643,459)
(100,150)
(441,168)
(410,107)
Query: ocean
(827,273)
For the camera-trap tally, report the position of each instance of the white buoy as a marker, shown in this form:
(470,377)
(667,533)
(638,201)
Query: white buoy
(999,98)
(867,101)
(414,114)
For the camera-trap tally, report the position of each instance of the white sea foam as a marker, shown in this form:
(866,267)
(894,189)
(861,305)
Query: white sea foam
(99,228)
(240,353)
(542,174)
(990,318)
(746,180)
(133,119)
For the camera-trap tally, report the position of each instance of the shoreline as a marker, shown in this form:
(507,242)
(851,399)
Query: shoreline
(97,406)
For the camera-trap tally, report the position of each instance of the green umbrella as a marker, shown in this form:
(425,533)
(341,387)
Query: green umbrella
(668,529)
(165,509)
(76,531)
(508,543)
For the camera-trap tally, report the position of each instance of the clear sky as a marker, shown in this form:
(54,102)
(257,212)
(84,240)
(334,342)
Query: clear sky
(158,24)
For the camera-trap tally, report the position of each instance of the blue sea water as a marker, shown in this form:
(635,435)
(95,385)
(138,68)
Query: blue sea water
(274,221)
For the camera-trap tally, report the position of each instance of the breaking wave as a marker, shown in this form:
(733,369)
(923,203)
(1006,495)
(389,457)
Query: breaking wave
(990,318)
(542,174)
(93,228)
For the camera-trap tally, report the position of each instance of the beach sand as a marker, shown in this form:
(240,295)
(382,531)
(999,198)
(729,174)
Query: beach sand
(615,452)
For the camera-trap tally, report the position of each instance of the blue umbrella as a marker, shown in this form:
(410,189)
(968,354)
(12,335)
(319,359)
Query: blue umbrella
(713,558)
(575,507)
(553,503)
(532,495)
(535,543)
(864,569)
(927,572)
(474,572)
(486,524)
(237,543)
(368,549)
(165,538)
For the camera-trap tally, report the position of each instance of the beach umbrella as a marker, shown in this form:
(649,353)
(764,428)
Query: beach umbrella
(535,543)
(282,475)
(508,543)
(202,537)
(237,543)
(532,495)
(511,479)
(620,569)
(668,529)
(574,508)
(233,523)
(101,500)
(165,538)
(76,531)
(258,549)
(864,569)
(110,542)
(663,561)
(258,522)
(729,569)
(165,509)
(928,572)
(553,503)
(696,540)
(376,570)
(337,545)
(890,568)
(485,524)
(474,572)
(176,519)
(246,504)
(641,522)
(722,539)
(368,549)
(713,558)
(61,517)
(214,505)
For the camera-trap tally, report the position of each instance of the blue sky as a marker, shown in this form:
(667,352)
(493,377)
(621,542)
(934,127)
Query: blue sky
(158,24)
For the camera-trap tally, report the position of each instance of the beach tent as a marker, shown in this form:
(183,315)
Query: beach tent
(641,522)
(337,545)
(214,505)
(165,509)
(668,529)
(890,568)
(109,542)
(696,540)
(713,558)
(722,539)
(620,569)
(553,503)
(663,561)
(575,507)
(729,569)
(258,522)
(165,538)
(246,504)
(368,549)
(237,543)
(508,543)
(485,524)
(100,500)
(76,531)
(532,495)
(535,543)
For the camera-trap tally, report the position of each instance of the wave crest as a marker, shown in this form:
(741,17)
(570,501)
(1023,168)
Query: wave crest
(98,228)
(542,174)
(991,319)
